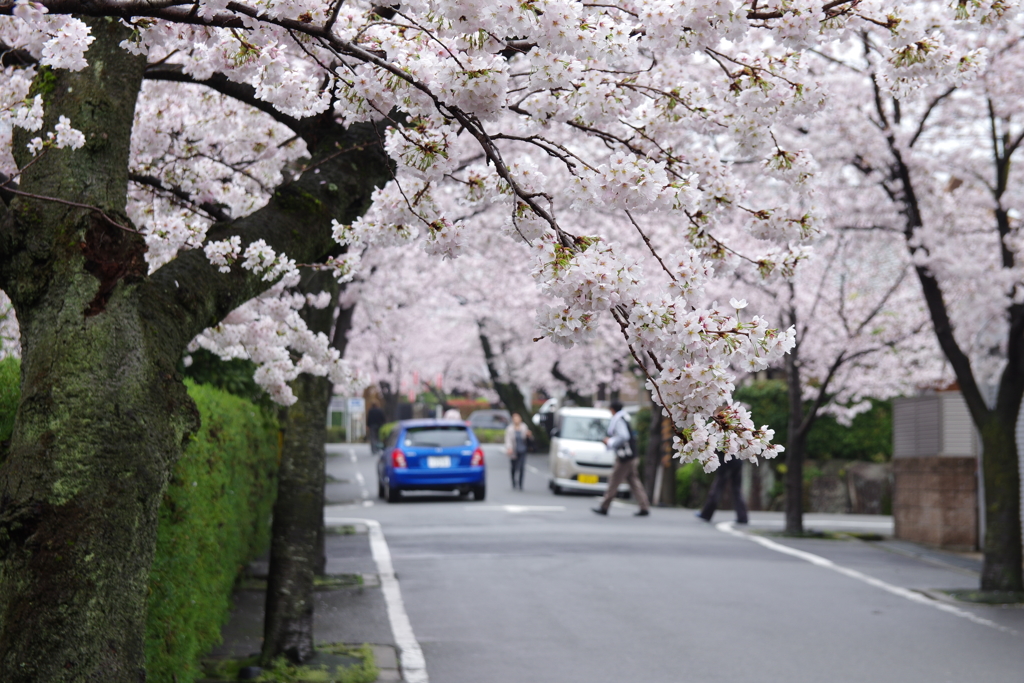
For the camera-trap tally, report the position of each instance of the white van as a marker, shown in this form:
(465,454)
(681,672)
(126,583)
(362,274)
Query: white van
(578,458)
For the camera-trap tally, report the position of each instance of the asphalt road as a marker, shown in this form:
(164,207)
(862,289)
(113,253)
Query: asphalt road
(528,587)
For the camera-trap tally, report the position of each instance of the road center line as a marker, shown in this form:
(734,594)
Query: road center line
(414,666)
(906,593)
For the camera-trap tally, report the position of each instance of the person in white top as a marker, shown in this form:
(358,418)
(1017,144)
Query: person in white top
(620,440)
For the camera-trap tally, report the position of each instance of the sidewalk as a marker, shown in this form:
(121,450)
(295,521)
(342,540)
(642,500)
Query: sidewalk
(352,612)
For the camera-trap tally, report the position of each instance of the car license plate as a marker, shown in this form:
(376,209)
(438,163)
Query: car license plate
(439,461)
(587,478)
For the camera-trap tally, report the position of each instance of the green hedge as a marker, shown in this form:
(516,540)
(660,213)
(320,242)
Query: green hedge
(215,517)
(482,435)
(10,392)
(869,437)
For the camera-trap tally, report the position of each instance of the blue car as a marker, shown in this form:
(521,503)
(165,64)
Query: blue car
(431,455)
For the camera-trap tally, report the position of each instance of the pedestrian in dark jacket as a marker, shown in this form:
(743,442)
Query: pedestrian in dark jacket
(729,473)
(375,419)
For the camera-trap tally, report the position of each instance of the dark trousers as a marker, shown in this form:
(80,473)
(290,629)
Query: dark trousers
(518,467)
(731,473)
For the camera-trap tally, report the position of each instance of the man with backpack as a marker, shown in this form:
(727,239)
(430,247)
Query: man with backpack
(621,440)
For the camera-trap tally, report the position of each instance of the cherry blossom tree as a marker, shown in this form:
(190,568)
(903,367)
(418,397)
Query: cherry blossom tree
(861,332)
(640,107)
(936,161)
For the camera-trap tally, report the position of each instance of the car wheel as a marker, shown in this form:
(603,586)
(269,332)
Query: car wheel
(380,488)
(479,492)
(555,488)
(393,493)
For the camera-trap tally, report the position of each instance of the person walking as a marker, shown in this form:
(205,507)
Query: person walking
(729,472)
(620,439)
(374,421)
(517,437)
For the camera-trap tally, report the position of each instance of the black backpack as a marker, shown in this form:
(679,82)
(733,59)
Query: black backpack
(630,450)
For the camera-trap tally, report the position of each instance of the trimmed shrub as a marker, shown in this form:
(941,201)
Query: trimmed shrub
(869,437)
(490,435)
(215,517)
(10,393)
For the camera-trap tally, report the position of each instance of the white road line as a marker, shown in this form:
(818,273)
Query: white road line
(516,509)
(414,666)
(826,523)
(352,455)
(820,561)
(533,469)
(362,485)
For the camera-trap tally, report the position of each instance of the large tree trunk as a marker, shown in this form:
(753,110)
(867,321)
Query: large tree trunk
(295,553)
(1001,570)
(652,458)
(102,417)
(296,550)
(511,397)
(795,447)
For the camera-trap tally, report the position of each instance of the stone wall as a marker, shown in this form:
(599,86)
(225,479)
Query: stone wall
(935,501)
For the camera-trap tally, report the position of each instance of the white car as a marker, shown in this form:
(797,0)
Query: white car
(578,458)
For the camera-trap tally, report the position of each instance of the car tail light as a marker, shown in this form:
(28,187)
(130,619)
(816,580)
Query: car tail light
(398,459)
(478,458)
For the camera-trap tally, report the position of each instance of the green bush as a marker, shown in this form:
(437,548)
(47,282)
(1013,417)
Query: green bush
(692,484)
(482,435)
(386,429)
(335,435)
(215,517)
(868,438)
(490,435)
(642,430)
(10,392)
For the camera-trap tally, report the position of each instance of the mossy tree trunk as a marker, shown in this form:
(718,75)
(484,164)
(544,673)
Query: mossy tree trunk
(103,416)
(297,551)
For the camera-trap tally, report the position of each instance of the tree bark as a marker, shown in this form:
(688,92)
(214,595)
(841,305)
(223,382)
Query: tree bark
(1001,569)
(80,489)
(103,416)
(511,397)
(296,550)
(652,458)
(298,514)
(571,392)
(795,447)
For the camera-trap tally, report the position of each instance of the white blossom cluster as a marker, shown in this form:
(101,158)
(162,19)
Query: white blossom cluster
(9,344)
(269,331)
(642,109)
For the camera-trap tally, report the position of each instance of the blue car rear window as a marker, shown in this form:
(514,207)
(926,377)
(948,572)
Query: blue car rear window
(437,437)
